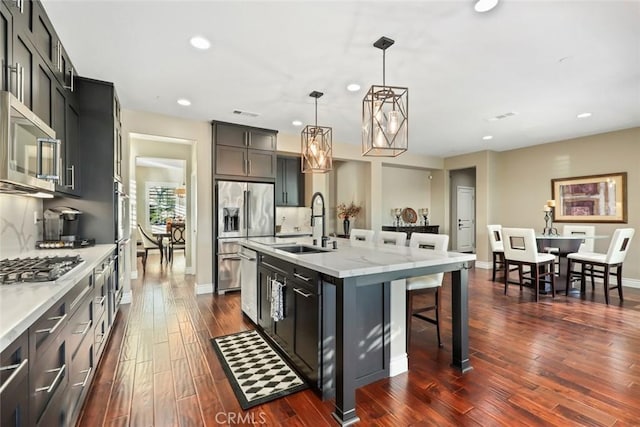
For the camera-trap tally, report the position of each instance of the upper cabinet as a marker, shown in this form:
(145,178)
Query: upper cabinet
(37,71)
(244,151)
(289,182)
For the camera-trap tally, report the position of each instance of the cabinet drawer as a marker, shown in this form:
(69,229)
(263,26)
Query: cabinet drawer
(44,331)
(80,374)
(100,335)
(48,377)
(80,325)
(78,293)
(14,383)
(100,296)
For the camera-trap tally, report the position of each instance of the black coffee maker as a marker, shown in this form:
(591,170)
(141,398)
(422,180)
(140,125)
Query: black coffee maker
(61,224)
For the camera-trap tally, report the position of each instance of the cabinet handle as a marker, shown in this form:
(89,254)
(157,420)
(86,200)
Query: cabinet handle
(58,323)
(79,298)
(86,328)
(100,300)
(18,368)
(101,338)
(249,165)
(249,138)
(59,56)
(273,267)
(70,87)
(72,169)
(299,292)
(300,276)
(86,378)
(55,143)
(20,77)
(243,256)
(51,386)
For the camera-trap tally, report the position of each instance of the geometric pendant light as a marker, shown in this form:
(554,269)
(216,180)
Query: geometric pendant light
(316,145)
(385,115)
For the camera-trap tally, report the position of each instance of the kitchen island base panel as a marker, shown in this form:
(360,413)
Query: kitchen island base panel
(460,319)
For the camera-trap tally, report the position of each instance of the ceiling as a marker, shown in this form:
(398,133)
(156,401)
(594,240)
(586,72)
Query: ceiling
(545,61)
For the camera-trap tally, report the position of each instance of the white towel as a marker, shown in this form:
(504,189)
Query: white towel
(277,300)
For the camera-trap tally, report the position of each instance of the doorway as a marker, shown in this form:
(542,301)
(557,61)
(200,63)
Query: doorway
(463,210)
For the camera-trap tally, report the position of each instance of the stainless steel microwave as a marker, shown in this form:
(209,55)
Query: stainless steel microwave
(30,154)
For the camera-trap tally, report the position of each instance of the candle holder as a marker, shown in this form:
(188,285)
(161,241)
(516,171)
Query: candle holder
(425,216)
(549,229)
(398,213)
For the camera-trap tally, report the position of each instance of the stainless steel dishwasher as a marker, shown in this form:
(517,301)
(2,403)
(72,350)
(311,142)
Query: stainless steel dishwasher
(249,282)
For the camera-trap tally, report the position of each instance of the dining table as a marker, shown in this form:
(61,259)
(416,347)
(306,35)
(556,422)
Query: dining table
(561,246)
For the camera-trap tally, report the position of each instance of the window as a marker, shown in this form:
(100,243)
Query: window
(164,203)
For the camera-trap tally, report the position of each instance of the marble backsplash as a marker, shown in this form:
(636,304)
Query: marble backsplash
(18,233)
(293,220)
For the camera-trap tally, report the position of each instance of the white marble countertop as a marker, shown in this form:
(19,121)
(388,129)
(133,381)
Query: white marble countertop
(23,303)
(356,258)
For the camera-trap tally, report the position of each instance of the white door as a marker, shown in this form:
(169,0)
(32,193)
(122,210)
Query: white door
(466,219)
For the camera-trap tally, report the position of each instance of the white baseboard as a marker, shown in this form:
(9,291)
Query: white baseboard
(631,283)
(485,265)
(189,270)
(126,297)
(398,365)
(204,288)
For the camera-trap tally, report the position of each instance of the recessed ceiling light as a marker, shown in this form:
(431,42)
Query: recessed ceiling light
(583,115)
(485,5)
(353,87)
(487,137)
(200,42)
(296,123)
(184,102)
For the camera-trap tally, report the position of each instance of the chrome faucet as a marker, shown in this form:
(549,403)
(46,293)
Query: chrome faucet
(323,216)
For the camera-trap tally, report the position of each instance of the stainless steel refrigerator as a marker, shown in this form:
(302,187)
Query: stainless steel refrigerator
(243,209)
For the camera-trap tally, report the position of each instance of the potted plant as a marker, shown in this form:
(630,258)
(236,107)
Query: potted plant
(345,212)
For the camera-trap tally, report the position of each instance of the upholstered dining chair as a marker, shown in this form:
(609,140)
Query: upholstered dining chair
(582,230)
(396,238)
(421,285)
(361,235)
(178,241)
(521,250)
(148,243)
(602,266)
(497,248)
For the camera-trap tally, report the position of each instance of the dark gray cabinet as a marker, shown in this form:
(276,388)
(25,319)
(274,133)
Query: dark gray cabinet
(289,182)
(6,44)
(244,151)
(14,381)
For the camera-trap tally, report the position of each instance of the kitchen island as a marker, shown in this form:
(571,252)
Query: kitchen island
(355,267)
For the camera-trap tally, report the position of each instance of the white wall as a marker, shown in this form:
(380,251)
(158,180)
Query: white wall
(404,188)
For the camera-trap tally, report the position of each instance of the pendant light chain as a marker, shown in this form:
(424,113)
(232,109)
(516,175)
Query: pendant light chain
(384,52)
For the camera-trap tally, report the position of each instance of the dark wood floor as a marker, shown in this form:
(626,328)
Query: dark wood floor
(561,362)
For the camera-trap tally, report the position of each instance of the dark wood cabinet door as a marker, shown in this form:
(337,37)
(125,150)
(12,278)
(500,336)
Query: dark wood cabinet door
(261,140)
(280,181)
(43,92)
(72,172)
(14,404)
(293,183)
(43,36)
(6,43)
(284,329)
(307,327)
(261,163)
(234,136)
(231,160)
(22,14)
(22,74)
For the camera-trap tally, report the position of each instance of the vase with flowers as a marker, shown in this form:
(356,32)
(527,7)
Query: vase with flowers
(346,212)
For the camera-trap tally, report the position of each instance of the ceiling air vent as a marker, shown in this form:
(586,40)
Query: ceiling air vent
(502,116)
(245,113)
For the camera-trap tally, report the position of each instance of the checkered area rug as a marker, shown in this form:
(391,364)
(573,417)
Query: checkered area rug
(257,373)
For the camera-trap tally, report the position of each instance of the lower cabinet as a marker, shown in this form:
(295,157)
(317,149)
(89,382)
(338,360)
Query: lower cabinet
(46,373)
(14,383)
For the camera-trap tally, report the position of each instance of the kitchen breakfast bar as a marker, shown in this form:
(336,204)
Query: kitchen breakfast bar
(348,272)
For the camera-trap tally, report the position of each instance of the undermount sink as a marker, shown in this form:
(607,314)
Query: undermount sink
(301,249)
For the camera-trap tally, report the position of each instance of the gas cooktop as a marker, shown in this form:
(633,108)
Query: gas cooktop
(36,269)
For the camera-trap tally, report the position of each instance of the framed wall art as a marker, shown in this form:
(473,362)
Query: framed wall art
(594,198)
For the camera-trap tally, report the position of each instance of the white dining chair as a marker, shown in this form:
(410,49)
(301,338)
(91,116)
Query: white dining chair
(429,284)
(361,235)
(521,250)
(397,238)
(597,265)
(497,248)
